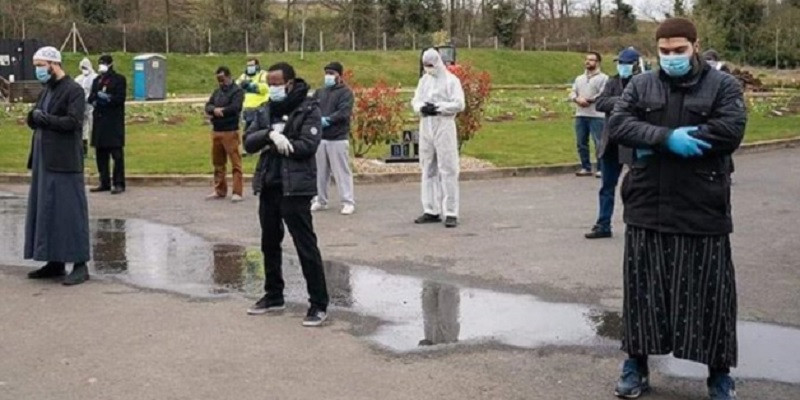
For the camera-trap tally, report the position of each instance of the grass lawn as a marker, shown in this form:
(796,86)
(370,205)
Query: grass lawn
(173,138)
(194,74)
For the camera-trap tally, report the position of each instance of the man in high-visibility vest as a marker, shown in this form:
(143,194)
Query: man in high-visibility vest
(254,83)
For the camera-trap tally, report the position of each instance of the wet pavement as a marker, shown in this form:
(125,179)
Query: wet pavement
(414,314)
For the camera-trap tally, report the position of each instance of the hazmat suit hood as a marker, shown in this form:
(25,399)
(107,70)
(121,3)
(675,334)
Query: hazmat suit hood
(86,80)
(442,88)
(87,64)
(432,56)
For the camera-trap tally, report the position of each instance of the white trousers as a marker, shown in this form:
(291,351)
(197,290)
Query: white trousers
(438,158)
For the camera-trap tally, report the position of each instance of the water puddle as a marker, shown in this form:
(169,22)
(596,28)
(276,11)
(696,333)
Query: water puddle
(415,314)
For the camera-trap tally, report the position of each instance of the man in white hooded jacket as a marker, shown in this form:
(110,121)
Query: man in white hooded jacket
(86,79)
(438,98)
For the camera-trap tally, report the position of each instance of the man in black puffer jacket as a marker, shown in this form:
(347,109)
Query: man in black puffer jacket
(679,284)
(286,132)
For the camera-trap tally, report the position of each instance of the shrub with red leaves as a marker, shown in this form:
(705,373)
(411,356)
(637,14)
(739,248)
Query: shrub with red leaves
(377,116)
(477,87)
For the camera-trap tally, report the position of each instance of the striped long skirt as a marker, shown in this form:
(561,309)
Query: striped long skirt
(680,297)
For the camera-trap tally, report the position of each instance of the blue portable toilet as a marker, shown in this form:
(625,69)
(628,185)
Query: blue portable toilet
(149,77)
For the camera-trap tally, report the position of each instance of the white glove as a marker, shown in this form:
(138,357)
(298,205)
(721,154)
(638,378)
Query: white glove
(282,144)
(278,127)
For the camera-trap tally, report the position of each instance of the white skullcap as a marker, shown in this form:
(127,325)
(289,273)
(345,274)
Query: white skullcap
(47,53)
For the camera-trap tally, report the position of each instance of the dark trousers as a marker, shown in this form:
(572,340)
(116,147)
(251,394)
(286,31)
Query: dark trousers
(611,169)
(104,154)
(586,127)
(275,209)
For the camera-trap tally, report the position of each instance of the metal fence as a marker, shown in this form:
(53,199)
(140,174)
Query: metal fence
(238,39)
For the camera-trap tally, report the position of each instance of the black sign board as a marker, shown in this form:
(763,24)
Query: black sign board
(405,151)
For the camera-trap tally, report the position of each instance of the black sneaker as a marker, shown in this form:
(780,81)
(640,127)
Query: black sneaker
(598,232)
(634,380)
(266,305)
(50,270)
(721,387)
(79,274)
(315,317)
(451,222)
(100,189)
(428,219)
(118,190)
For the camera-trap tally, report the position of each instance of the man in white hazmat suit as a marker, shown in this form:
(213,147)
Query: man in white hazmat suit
(86,79)
(437,100)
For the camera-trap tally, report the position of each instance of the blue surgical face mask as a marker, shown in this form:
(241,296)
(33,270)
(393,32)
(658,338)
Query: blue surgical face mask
(330,81)
(277,93)
(43,74)
(677,65)
(625,70)
(252,69)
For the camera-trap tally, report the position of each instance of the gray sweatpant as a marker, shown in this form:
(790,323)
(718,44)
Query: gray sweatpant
(333,157)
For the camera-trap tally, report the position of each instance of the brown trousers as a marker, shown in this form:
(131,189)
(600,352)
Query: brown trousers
(225,145)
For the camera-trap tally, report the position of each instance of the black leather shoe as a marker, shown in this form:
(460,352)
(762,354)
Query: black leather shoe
(79,274)
(117,190)
(428,219)
(50,270)
(598,233)
(100,189)
(451,222)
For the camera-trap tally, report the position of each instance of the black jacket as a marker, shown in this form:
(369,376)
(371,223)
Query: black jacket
(298,170)
(665,192)
(108,129)
(605,103)
(62,128)
(230,100)
(336,103)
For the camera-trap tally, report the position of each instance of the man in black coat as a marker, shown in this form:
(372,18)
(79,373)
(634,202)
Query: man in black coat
(684,121)
(108,133)
(286,132)
(57,220)
(610,156)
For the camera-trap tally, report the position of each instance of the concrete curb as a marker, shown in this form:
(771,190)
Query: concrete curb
(399,177)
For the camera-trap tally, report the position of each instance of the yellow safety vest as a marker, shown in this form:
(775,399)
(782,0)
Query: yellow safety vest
(254,100)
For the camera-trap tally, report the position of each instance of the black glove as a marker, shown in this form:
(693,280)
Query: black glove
(429,110)
(245,84)
(39,117)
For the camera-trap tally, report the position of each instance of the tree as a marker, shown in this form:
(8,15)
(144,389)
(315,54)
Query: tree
(505,19)
(598,7)
(93,11)
(624,18)
(730,22)
(678,8)
(412,16)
